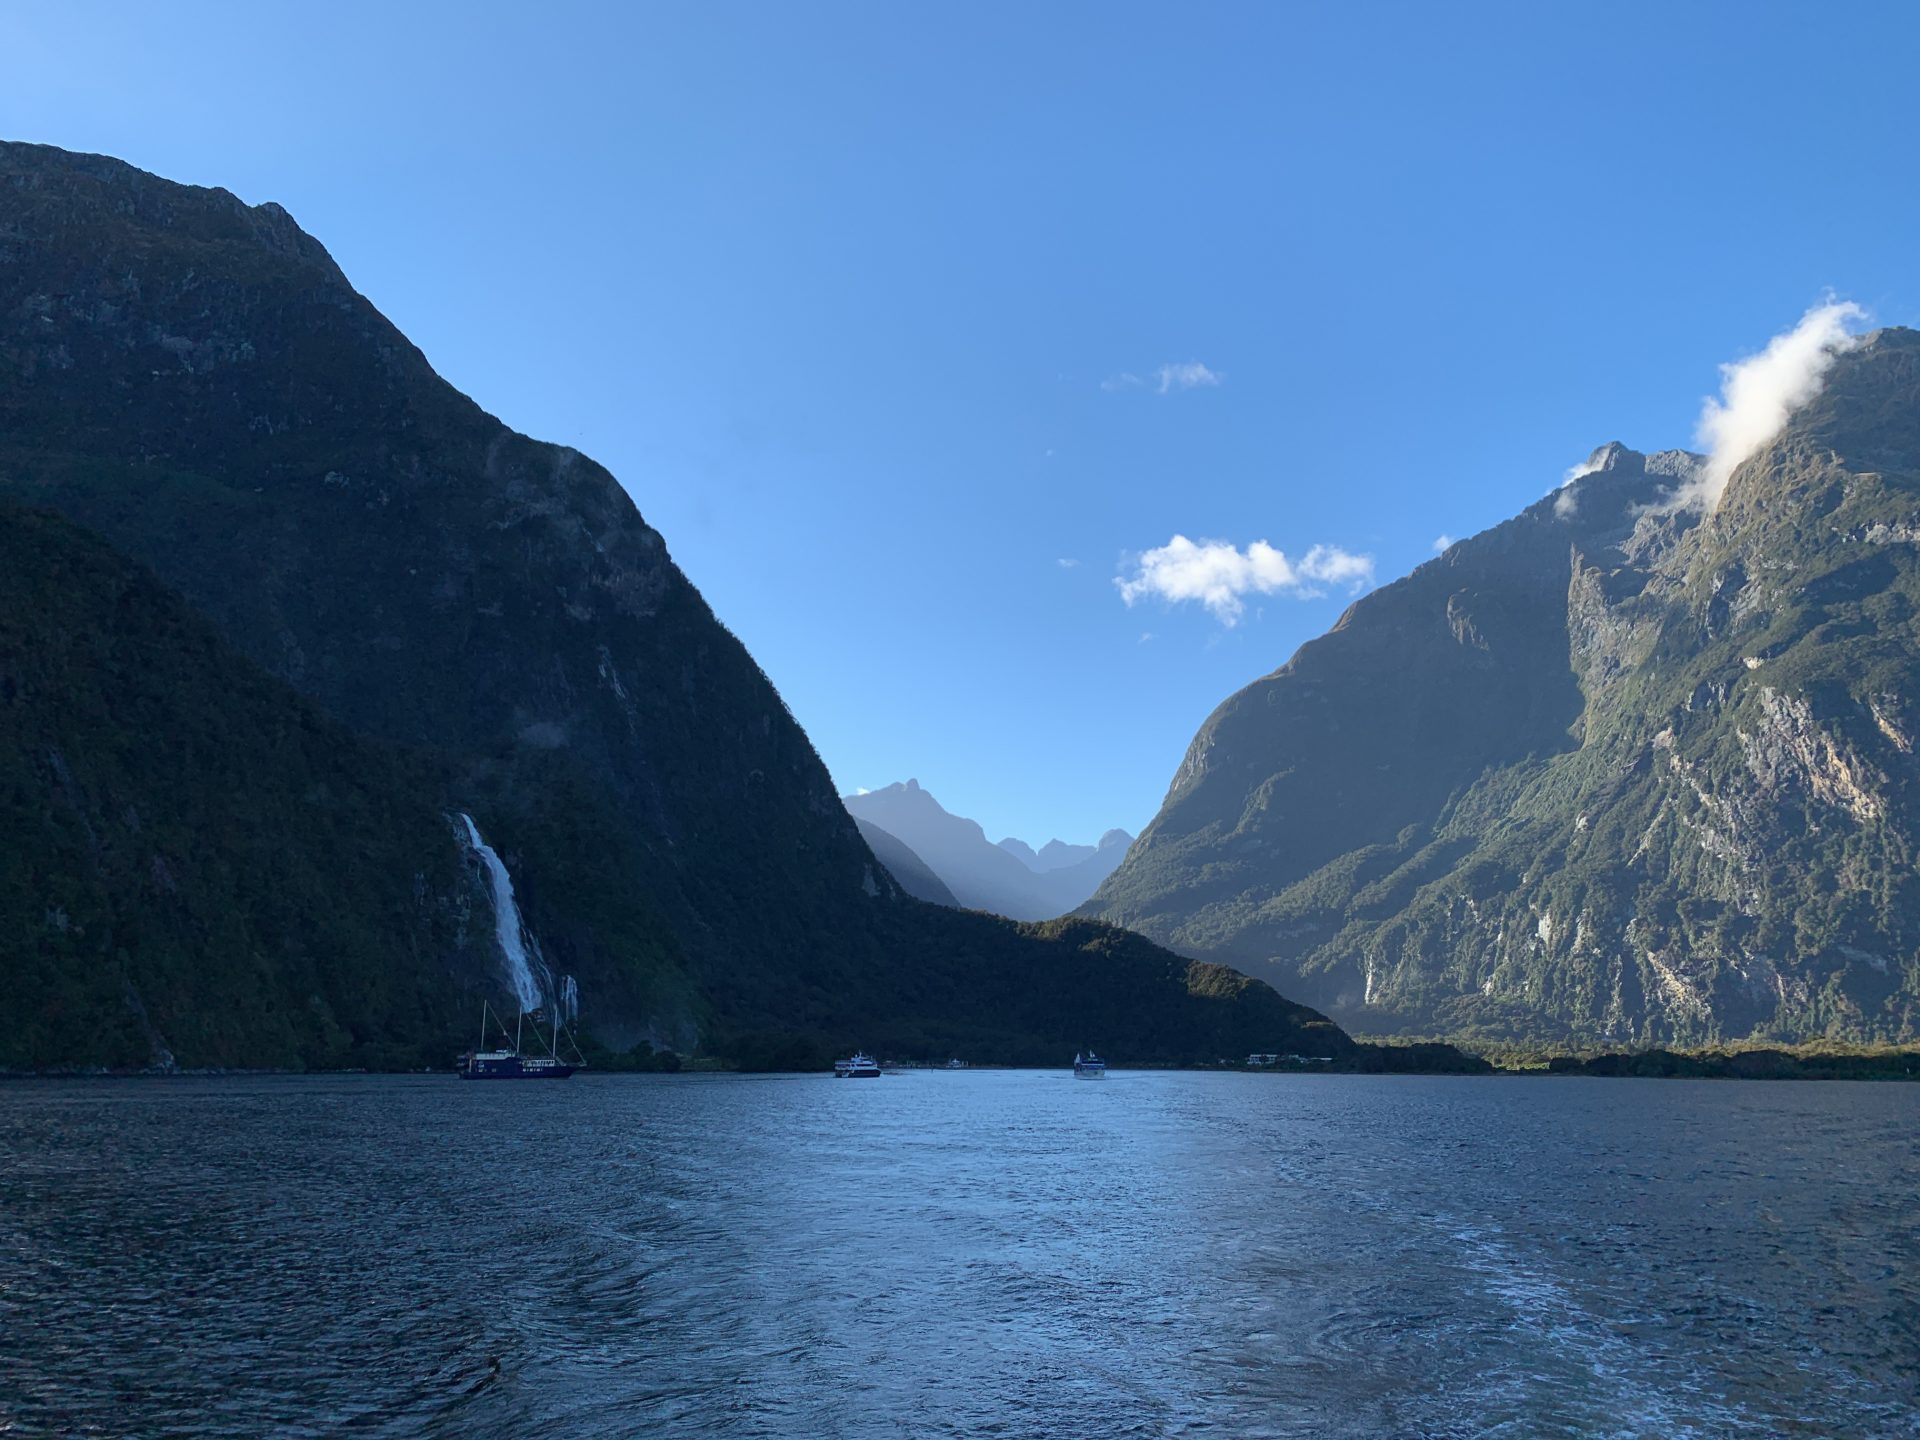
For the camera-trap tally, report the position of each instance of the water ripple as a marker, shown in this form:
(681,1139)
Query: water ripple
(971,1254)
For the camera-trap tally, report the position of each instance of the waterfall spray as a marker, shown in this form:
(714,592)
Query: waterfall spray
(507,924)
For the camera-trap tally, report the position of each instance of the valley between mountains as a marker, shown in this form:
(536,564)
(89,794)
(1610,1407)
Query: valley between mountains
(283,607)
(280,607)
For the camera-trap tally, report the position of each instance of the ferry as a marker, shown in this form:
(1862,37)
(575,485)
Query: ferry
(1089,1066)
(861,1067)
(503,1063)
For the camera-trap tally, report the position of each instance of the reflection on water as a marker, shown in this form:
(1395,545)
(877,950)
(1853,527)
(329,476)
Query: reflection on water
(969,1253)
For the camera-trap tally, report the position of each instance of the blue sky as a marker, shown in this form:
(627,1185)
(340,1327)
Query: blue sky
(847,296)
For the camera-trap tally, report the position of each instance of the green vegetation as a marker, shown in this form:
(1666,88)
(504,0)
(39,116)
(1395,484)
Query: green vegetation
(1753,1064)
(194,862)
(1610,779)
(342,602)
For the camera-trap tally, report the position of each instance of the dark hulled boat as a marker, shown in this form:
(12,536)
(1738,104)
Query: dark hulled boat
(510,1065)
(504,1063)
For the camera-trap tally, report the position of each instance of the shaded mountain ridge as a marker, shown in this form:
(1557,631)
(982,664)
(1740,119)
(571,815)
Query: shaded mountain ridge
(192,380)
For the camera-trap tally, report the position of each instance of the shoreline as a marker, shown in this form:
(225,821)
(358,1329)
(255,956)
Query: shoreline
(1756,1064)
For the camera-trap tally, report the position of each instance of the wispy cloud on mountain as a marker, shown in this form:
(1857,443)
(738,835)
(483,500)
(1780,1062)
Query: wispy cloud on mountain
(1167,379)
(1759,394)
(1567,500)
(1221,576)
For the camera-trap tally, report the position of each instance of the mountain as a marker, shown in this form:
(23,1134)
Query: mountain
(1072,879)
(148,774)
(1069,874)
(1054,855)
(410,613)
(1608,772)
(1058,855)
(1009,878)
(906,867)
(1022,852)
(981,875)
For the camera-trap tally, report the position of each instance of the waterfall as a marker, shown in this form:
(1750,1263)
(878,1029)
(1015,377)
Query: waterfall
(507,926)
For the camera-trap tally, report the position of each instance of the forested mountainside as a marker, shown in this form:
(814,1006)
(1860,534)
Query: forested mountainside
(192,380)
(1611,772)
(194,860)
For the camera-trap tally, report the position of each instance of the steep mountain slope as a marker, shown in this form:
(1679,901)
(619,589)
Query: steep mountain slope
(1603,772)
(1069,877)
(195,862)
(906,867)
(1022,852)
(193,379)
(981,875)
(1008,878)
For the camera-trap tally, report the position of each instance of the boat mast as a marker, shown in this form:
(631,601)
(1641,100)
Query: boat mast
(516,1031)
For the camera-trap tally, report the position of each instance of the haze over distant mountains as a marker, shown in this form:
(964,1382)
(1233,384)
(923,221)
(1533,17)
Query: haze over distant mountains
(1635,766)
(1010,878)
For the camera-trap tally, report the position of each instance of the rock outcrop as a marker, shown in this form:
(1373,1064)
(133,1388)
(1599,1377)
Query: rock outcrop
(1611,772)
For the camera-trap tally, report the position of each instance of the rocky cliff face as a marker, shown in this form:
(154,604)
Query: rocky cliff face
(1608,772)
(193,379)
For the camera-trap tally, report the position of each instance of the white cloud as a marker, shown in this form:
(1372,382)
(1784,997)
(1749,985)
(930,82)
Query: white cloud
(1188,376)
(1759,393)
(1066,562)
(1442,544)
(1568,499)
(1221,575)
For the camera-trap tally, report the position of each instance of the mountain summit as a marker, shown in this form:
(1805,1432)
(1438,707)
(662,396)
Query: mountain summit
(439,599)
(1612,771)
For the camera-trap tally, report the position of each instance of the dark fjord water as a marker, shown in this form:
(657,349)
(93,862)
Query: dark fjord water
(959,1254)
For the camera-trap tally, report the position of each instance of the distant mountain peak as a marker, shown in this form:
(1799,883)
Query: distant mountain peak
(1021,851)
(1609,457)
(1009,877)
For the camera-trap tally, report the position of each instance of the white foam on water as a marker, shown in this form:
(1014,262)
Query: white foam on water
(1624,1400)
(510,930)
